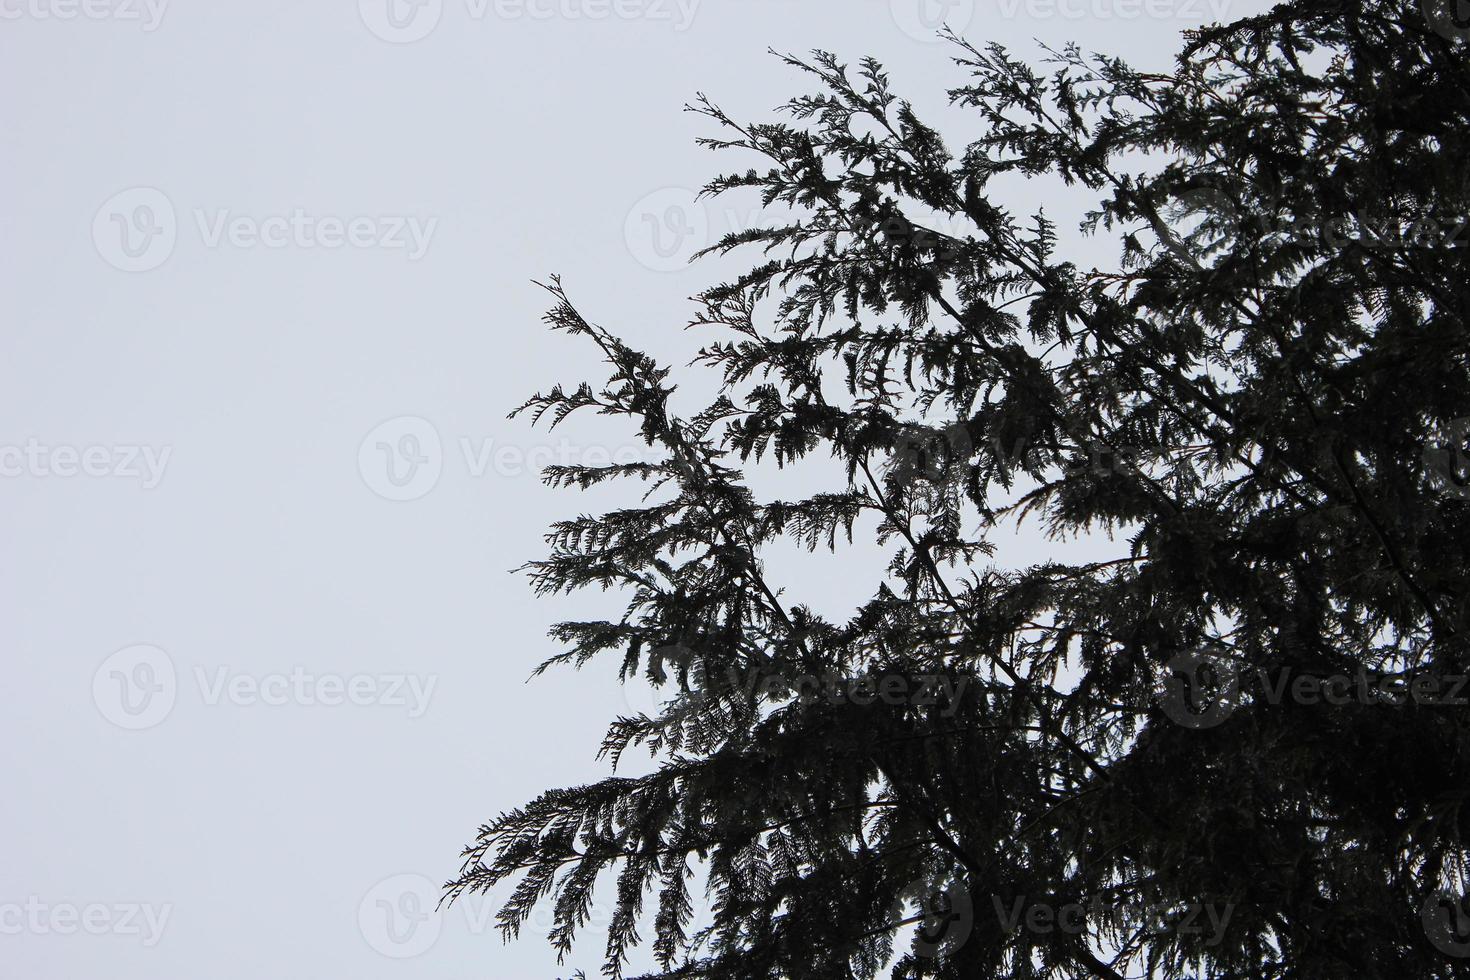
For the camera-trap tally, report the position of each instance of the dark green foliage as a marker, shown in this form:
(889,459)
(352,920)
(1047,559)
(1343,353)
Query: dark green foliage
(1263,408)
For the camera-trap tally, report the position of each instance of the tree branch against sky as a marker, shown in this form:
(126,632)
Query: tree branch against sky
(1235,747)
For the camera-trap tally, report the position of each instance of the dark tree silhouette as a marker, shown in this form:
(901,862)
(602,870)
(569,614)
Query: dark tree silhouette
(1236,749)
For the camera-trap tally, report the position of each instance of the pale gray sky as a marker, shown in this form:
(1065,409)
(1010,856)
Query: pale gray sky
(260,686)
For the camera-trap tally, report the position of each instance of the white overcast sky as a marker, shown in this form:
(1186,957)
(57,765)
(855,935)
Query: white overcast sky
(254,250)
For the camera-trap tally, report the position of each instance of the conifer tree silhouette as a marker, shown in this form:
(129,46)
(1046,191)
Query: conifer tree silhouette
(1237,748)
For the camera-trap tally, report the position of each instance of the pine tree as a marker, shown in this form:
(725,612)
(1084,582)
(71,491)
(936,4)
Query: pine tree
(1264,403)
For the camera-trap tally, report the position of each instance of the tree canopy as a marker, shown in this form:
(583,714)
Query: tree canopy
(1213,754)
